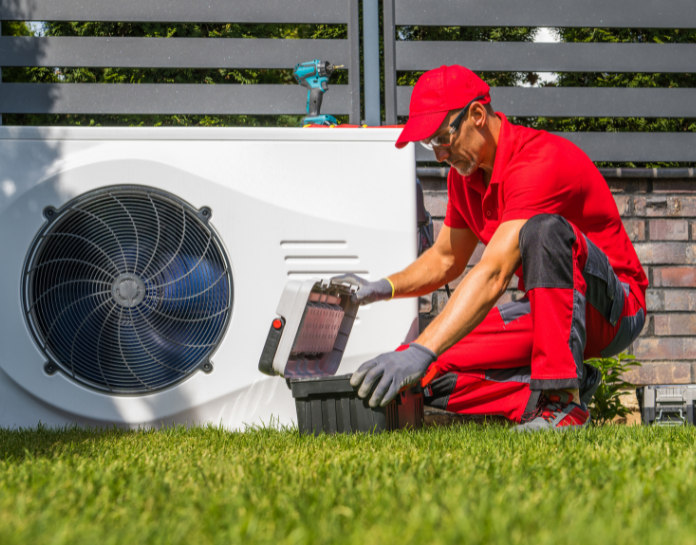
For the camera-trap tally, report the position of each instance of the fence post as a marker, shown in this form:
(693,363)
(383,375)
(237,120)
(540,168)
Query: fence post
(0,70)
(389,63)
(354,40)
(371,61)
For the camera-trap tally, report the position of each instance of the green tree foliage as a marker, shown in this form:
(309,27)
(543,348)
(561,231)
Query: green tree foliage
(15,28)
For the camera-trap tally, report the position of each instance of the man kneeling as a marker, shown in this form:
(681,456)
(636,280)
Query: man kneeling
(545,213)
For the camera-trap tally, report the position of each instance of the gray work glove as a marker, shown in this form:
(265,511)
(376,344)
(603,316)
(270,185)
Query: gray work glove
(391,372)
(368,292)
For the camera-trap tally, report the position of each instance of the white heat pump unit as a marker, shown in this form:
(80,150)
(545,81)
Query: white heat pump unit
(141,268)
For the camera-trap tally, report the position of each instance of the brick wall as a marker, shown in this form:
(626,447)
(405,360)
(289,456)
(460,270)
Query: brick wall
(660,218)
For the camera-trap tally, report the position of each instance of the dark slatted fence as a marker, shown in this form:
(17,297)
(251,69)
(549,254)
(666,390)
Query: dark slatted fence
(404,56)
(398,56)
(185,53)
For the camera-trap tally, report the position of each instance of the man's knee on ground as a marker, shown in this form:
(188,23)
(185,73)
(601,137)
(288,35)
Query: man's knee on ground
(546,247)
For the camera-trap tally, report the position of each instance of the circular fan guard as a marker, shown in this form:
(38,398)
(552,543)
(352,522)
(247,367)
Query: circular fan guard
(127,289)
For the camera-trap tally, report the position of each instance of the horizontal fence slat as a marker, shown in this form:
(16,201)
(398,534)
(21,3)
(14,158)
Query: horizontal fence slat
(178,11)
(577,13)
(621,146)
(583,101)
(547,57)
(659,173)
(548,13)
(168,52)
(228,99)
(636,146)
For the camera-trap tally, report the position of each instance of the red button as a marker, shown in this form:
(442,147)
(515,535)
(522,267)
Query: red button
(277,324)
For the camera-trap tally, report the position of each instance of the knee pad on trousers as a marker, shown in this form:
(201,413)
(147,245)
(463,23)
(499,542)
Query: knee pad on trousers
(546,247)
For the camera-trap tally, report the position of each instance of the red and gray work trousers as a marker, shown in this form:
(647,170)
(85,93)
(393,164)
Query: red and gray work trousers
(574,308)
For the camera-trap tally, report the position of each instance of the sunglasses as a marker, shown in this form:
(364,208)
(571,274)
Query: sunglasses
(445,140)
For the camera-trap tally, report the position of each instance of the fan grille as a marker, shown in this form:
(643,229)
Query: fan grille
(127,289)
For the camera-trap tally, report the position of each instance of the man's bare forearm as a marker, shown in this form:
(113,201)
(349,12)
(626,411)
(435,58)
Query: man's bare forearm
(470,303)
(440,264)
(478,292)
(428,273)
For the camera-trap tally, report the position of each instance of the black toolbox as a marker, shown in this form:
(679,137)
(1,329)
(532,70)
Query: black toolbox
(305,345)
(331,405)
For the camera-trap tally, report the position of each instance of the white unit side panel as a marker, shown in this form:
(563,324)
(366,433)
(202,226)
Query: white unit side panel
(286,203)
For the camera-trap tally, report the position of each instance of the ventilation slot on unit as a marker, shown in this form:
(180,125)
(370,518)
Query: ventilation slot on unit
(127,289)
(306,259)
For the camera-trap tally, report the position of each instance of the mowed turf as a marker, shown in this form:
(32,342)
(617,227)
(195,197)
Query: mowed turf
(464,484)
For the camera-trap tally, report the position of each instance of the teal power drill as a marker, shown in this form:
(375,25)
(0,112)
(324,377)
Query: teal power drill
(314,75)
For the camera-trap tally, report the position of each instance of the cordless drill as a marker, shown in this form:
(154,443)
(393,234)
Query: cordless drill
(314,75)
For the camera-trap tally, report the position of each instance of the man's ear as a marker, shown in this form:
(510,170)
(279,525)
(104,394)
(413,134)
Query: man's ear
(478,114)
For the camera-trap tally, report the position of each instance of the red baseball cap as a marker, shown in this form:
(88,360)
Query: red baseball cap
(436,93)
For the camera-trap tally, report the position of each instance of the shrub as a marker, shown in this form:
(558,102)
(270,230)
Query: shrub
(606,404)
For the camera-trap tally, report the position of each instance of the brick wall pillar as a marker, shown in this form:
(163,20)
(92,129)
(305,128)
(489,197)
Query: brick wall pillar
(660,218)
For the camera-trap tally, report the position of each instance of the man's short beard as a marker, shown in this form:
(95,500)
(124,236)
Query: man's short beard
(471,168)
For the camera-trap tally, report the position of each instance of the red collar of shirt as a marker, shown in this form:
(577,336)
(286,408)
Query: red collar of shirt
(503,153)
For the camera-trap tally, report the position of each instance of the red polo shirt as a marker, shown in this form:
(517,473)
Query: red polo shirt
(537,172)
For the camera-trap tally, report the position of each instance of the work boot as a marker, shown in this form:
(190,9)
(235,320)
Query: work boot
(555,411)
(591,379)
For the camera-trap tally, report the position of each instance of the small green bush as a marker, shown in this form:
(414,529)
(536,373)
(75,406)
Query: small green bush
(606,404)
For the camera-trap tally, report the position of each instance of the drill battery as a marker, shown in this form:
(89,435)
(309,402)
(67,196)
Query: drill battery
(667,405)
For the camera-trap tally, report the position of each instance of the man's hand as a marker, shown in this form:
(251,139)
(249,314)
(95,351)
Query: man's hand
(368,292)
(390,372)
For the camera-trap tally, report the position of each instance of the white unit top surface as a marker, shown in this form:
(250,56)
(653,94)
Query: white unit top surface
(310,134)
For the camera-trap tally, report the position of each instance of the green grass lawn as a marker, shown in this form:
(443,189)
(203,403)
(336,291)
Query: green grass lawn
(463,484)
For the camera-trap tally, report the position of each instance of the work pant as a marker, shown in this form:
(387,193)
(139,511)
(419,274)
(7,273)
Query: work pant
(574,308)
